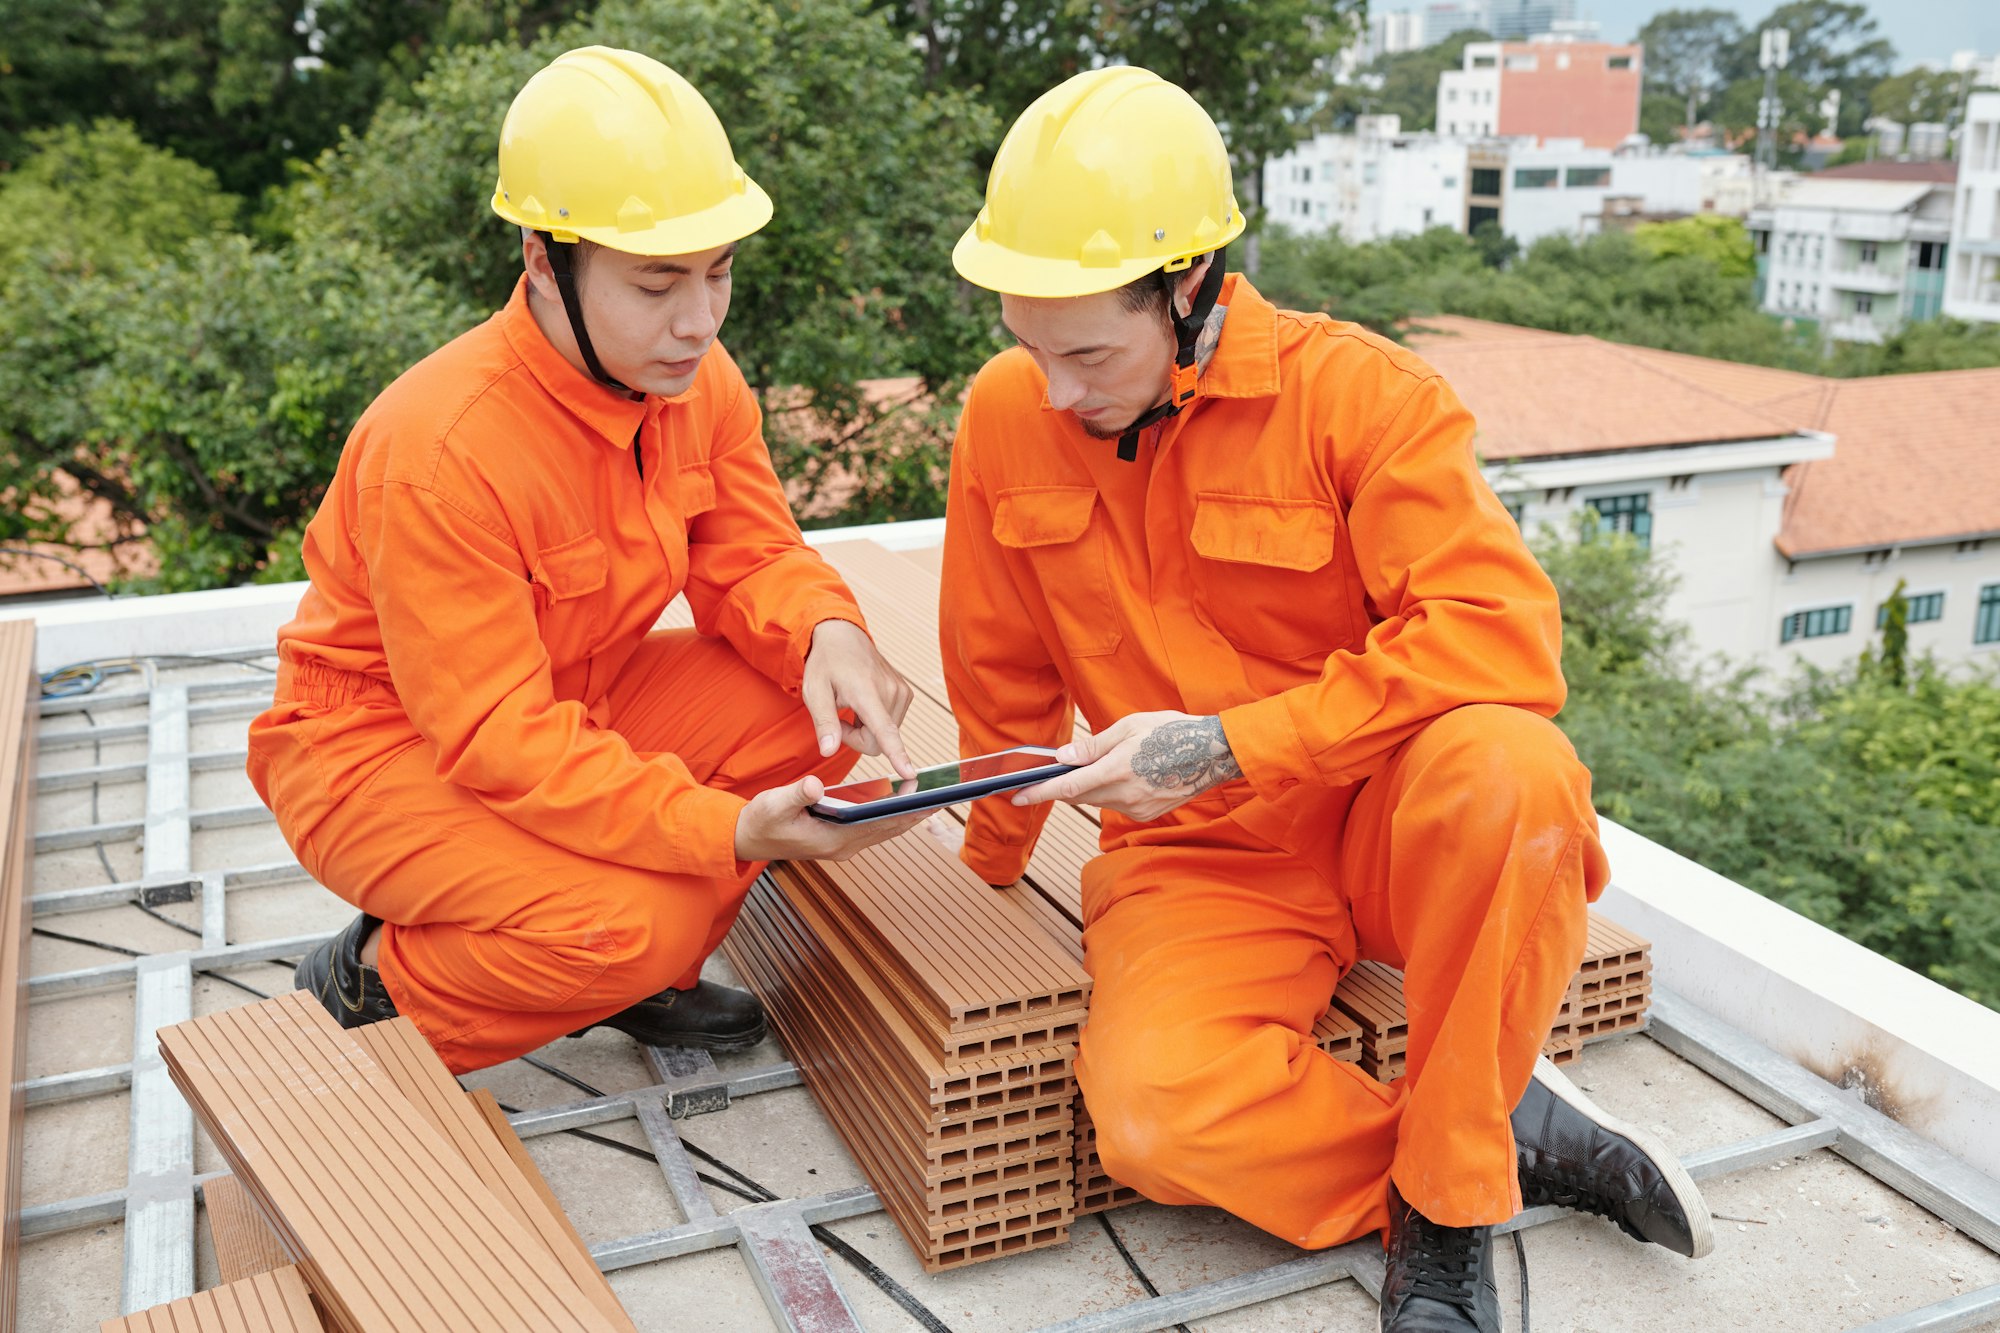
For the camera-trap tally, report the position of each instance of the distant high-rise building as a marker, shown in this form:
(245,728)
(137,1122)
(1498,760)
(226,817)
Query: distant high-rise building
(1518,20)
(1444,19)
(1394,30)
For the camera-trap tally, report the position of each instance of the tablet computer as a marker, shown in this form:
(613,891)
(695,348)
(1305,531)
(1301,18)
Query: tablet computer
(936,788)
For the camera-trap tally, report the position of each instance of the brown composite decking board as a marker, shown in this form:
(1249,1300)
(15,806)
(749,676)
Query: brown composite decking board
(1338,1035)
(275,1301)
(1044,913)
(915,911)
(894,1170)
(403,1054)
(332,1153)
(816,960)
(1372,995)
(245,1245)
(1025,1119)
(20,691)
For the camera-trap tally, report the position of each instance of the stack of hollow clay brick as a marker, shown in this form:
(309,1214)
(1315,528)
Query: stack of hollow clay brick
(796,958)
(400,1200)
(936,1025)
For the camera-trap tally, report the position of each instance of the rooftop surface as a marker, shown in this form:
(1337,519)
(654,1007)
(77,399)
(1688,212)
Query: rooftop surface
(1807,1240)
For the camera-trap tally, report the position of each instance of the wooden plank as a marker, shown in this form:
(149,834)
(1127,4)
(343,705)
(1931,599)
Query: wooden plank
(421,1077)
(245,1245)
(268,1302)
(488,1107)
(19,694)
(393,1229)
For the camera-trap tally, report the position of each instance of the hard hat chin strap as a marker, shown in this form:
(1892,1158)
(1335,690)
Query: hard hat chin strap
(1187,336)
(562,261)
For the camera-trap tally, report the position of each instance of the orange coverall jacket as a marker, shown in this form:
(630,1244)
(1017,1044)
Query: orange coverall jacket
(489,551)
(1310,552)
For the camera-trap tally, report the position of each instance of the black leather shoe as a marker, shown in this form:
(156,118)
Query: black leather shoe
(1437,1279)
(1571,1153)
(708,1016)
(351,991)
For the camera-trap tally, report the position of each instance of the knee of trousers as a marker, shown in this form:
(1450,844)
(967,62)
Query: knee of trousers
(1493,772)
(1153,1095)
(650,930)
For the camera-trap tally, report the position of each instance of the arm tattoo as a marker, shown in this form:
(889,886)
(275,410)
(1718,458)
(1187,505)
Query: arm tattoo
(1193,753)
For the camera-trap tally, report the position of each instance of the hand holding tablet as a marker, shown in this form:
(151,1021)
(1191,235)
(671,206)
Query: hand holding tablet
(936,788)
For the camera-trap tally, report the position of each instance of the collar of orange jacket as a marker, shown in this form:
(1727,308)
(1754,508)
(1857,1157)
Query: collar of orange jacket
(1245,364)
(610,413)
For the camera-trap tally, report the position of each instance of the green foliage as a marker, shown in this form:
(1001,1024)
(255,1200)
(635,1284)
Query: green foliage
(96,197)
(1685,52)
(1869,806)
(240,86)
(1722,242)
(1684,286)
(1919,95)
(1834,44)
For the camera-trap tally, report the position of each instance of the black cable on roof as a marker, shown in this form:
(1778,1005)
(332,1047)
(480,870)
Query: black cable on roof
(1104,1220)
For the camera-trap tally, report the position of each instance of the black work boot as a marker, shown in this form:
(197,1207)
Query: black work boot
(708,1016)
(351,990)
(1571,1153)
(1437,1279)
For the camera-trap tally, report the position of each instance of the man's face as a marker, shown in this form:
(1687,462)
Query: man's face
(651,318)
(1106,364)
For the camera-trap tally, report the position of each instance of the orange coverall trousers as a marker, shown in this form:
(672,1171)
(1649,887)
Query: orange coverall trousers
(1214,938)
(497,941)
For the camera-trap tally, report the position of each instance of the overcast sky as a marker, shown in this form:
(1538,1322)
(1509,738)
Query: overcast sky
(1923,31)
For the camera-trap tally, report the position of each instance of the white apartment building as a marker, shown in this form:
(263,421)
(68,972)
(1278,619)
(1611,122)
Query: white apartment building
(1972,281)
(1468,98)
(1372,184)
(1788,505)
(1860,258)
(1391,31)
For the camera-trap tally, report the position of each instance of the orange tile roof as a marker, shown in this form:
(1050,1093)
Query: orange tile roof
(1916,457)
(1604,400)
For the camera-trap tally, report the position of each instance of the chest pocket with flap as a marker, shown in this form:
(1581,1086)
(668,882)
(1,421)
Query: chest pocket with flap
(1067,542)
(1270,580)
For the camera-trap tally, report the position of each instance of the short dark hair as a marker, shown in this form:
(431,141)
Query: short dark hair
(1148,293)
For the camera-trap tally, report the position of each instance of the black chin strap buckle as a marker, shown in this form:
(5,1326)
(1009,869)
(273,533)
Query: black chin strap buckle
(562,264)
(1186,380)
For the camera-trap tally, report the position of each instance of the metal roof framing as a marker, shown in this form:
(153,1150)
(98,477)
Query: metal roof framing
(774,1239)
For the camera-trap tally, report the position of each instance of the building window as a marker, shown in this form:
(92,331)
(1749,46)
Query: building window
(1305,175)
(1587,178)
(1874,560)
(1370,172)
(1930,254)
(1864,303)
(1516,506)
(1868,252)
(1535,178)
(1986,629)
(1972,547)
(1925,606)
(1448,183)
(1486,180)
(1816,624)
(1627,513)
(1522,62)
(1476,215)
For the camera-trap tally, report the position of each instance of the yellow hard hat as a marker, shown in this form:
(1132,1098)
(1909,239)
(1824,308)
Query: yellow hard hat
(611,146)
(1105,178)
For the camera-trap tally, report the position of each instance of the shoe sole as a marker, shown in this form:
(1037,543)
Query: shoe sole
(1686,1193)
(692,1041)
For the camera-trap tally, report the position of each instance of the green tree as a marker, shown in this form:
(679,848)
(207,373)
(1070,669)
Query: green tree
(1920,95)
(1870,807)
(1834,45)
(1734,110)
(872,178)
(1685,52)
(1723,242)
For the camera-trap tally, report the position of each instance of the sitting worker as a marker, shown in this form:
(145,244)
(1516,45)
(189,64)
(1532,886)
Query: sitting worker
(547,813)
(1254,548)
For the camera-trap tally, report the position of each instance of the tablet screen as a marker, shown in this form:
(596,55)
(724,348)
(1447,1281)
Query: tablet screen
(944,775)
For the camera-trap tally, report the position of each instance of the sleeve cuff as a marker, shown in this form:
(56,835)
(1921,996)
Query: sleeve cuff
(1267,746)
(994,862)
(833,608)
(706,841)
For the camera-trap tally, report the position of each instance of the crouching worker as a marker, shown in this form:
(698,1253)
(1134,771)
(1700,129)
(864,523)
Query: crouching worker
(547,813)
(1254,548)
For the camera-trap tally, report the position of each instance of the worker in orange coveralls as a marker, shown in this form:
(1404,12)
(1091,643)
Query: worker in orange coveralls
(1253,547)
(547,813)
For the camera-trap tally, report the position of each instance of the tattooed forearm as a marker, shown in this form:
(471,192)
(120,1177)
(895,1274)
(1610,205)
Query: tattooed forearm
(1193,753)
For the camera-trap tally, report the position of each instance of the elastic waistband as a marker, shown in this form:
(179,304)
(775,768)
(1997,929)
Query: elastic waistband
(327,686)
